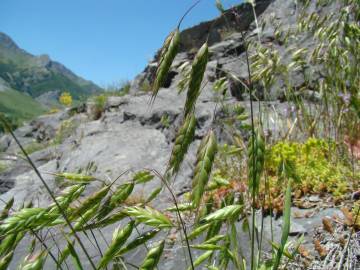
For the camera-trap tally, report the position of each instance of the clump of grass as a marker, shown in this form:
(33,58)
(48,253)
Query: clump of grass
(34,147)
(145,86)
(65,130)
(99,104)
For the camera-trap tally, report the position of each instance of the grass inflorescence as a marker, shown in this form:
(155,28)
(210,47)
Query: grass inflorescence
(253,173)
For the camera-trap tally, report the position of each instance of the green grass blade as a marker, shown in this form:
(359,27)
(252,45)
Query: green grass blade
(286,226)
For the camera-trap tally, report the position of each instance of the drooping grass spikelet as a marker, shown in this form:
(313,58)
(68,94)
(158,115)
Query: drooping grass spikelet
(5,260)
(5,212)
(214,229)
(185,70)
(89,202)
(34,261)
(118,197)
(27,218)
(143,177)
(67,196)
(199,260)
(181,207)
(74,255)
(105,209)
(81,178)
(205,158)
(149,216)
(197,231)
(122,193)
(183,139)
(10,242)
(84,218)
(206,247)
(107,221)
(119,238)
(7,244)
(153,194)
(228,212)
(196,76)
(65,253)
(256,157)
(152,257)
(143,238)
(167,55)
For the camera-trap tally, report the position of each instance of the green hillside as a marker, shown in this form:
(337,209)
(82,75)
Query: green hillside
(19,107)
(38,75)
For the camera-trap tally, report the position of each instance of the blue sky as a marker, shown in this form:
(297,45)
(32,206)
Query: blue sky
(102,40)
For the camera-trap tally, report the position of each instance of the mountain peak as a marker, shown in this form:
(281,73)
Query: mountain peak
(8,43)
(37,75)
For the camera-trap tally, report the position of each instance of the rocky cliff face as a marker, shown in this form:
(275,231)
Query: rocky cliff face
(132,135)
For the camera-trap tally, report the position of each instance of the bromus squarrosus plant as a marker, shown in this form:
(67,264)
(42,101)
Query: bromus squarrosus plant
(230,184)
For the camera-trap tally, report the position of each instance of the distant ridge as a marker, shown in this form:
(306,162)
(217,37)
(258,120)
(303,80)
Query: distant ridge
(38,75)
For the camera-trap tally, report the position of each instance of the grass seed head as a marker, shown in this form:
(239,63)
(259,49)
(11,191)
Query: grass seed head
(77,177)
(84,218)
(27,218)
(107,221)
(153,194)
(5,260)
(65,253)
(142,177)
(152,257)
(256,158)
(198,231)
(196,76)
(34,261)
(199,260)
(142,239)
(122,193)
(168,53)
(119,238)
(228,212)
(148,216)
(205,158)
(68,195)
(8,243)
(183,139)
(89,202)
(5,212)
